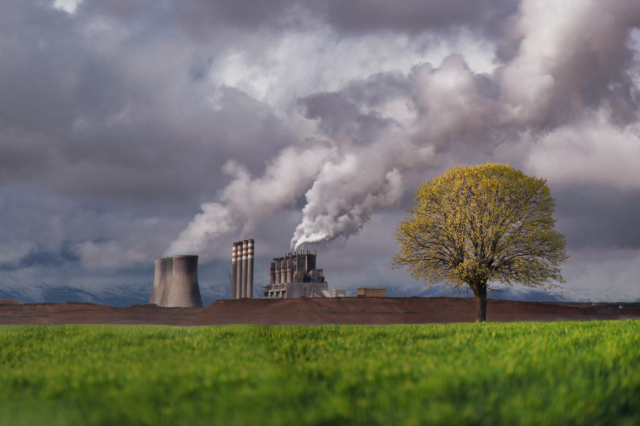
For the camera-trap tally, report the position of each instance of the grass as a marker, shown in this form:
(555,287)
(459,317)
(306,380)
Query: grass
(573,373)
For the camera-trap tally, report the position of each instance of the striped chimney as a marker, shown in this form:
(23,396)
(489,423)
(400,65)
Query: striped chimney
(234,270)
(245,254)
(250,270)
(238,280)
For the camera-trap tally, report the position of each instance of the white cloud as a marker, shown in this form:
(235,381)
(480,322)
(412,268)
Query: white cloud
(68,6)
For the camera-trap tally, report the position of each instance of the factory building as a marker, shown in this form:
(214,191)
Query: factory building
(372,292)
(242,270)
(338,293)
(294,276)
(176,282)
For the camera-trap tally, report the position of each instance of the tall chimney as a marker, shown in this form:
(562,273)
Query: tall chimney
(245,253)
(239,270)
(234,270)
(185,290)
(250,271)
(168,279)
(156,293)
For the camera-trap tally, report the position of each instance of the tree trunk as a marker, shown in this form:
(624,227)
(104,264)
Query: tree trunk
(481,302)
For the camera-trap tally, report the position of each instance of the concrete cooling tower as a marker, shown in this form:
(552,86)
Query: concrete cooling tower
(168,279)
(184,291)
(156,293)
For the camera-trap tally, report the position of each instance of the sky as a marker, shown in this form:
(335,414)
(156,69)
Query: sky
(132,130)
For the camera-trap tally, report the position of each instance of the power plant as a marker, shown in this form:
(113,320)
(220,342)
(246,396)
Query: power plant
(242,270)
(175,284)
(292,276)
(295,276)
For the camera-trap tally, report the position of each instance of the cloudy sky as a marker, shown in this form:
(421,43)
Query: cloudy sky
(131,130)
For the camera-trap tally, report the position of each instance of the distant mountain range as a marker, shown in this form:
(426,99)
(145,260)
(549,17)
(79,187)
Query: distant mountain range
(117,295)
(132,294)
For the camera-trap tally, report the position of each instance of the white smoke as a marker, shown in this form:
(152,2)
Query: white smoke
(564,46)
(245,201)
(599,152)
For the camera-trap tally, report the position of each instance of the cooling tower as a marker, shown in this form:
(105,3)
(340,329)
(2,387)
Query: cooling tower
(185,290)
(250,270)
(234,271)
(156,293)
(168,272)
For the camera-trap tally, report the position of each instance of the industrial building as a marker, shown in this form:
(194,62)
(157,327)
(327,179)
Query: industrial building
(338,293)
(294,276)
(176,282)
(242,270)
(372,292)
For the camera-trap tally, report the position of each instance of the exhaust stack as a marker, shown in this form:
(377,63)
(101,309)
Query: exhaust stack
(239,271)
(242,264)
(250,271)
(245,253)
(234,271)
(184,291)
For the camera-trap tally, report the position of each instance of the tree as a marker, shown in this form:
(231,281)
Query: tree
(481,225)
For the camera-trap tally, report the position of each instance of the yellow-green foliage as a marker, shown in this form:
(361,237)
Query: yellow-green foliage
(487,223)
(564,373)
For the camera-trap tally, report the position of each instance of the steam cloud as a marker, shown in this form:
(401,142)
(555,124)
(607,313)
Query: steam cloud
(565,76)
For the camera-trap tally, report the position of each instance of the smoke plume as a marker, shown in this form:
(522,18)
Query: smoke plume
(571,60)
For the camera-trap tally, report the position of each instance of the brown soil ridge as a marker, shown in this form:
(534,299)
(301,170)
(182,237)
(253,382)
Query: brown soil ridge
(349,310)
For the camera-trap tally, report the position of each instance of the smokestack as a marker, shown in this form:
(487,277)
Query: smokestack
(250,271)
(234,270)
(239,270)
(245,254)
(272,273)
(289,275)
(185,290)
(168,280)
(156,293)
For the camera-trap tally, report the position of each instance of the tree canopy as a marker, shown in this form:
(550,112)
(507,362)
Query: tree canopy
(477,225)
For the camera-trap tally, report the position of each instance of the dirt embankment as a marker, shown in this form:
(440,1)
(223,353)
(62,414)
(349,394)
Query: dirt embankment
(408,310)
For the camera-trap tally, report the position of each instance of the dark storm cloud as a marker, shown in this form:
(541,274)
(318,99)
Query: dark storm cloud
(601,218)
(416,15)
(72,117)
(202,18)
(346,110)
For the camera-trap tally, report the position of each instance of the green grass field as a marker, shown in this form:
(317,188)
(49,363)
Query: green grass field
(573,373)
